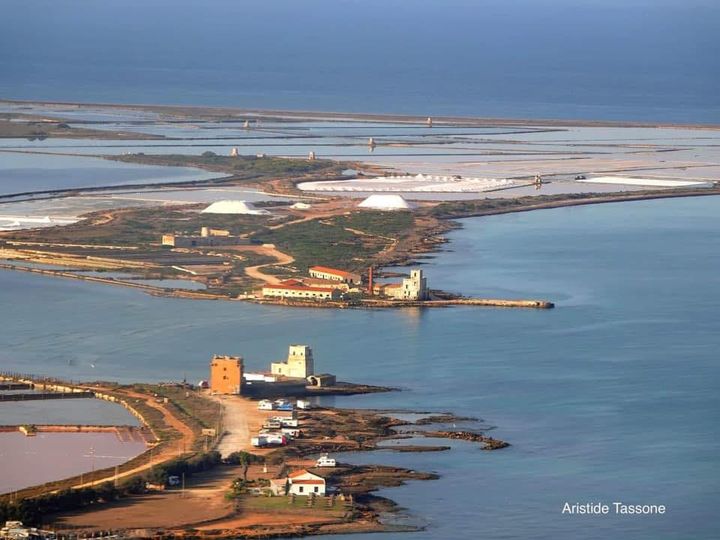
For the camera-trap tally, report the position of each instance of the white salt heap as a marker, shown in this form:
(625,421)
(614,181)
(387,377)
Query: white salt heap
(233,207)
(385,202)
(419,183)
(14,222)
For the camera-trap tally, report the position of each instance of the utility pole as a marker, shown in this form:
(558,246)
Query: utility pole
(92,477)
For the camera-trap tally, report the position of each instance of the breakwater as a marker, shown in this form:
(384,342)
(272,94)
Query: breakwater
(373,303)
(484,302)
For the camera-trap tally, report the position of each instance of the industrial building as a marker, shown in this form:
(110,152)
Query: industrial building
(301,292)
(333,274)
(315,282)
(412,288)
(299,363)
(208,237)
(226,374)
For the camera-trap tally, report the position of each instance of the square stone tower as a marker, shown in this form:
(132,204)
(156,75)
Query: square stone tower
(299,364)
(226,374)
(415,287)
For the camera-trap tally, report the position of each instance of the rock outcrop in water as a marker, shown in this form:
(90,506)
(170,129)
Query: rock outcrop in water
(489,442)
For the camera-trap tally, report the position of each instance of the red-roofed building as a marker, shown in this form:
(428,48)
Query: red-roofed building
(333,274)
(300,482)
(301,292)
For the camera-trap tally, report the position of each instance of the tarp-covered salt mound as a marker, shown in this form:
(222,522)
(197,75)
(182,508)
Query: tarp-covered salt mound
(233,207)
(386,202)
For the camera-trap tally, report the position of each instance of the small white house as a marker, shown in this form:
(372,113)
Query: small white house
(308,487)
(305,483)
(302,483)
(325,461)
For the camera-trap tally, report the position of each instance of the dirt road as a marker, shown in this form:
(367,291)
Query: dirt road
(241,420)
(255,272)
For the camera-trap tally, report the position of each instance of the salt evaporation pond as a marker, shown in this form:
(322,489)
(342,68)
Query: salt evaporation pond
(65,411)
(24,172)
(28,461)
(47,213)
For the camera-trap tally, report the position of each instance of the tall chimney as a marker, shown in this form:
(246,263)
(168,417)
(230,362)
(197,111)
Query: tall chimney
(370,281)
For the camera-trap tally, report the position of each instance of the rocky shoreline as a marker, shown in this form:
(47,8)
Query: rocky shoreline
(332,430)
(324,430)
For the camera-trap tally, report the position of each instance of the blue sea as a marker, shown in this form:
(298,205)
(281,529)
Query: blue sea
(612,396)
(649,60)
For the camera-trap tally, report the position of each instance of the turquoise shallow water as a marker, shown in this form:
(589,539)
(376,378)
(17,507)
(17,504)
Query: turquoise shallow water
(611,396)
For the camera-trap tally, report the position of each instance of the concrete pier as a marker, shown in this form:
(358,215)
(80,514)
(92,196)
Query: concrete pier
(484,302)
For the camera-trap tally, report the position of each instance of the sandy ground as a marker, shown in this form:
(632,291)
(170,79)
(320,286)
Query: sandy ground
(202,500)
(274,518)
(214,112)
(241,420)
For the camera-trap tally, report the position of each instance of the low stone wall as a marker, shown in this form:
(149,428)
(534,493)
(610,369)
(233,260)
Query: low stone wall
(64,390)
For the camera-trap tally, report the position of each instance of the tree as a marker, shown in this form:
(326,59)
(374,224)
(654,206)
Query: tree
(245,464)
